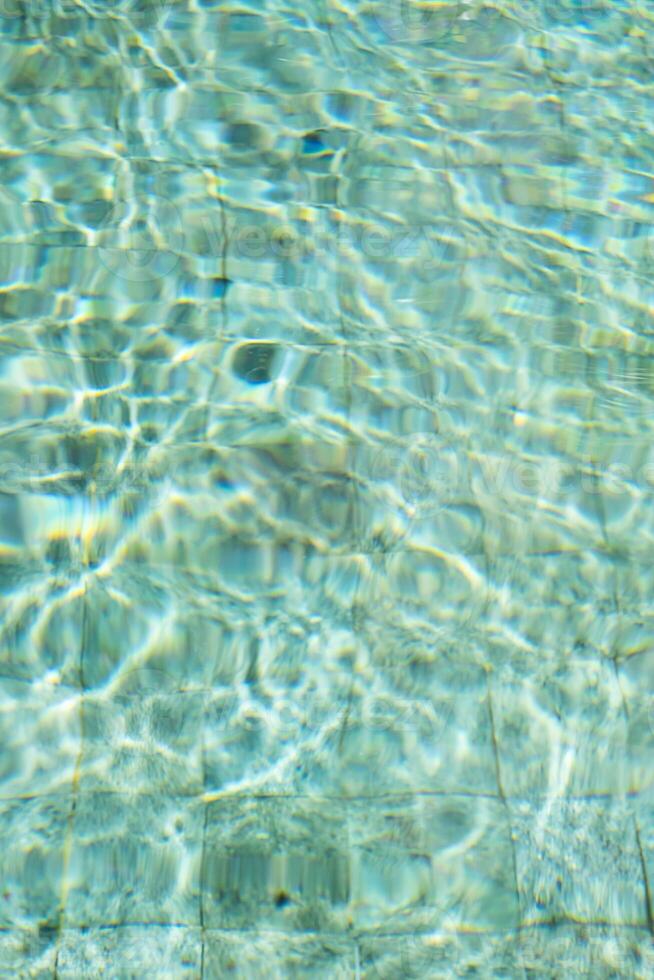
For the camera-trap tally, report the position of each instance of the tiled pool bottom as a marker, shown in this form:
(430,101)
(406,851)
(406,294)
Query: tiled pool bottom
(352,821)
(325,490)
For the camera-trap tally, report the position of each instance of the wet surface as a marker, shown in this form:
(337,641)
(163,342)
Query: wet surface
(326,630)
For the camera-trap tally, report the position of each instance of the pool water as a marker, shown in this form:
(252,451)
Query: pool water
(326,472)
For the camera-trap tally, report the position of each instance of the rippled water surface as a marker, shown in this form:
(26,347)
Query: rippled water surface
(326,472)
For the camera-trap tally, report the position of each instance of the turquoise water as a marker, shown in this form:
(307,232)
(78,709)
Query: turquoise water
(326,471)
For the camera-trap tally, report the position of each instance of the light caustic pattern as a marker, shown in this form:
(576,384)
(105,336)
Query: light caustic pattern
(326,388)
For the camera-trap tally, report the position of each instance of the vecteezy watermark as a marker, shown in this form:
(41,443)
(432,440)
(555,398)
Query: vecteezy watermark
(431,472)
(132,9)
(152,702)
(428,717)
(425,246)
(36,474)
(428,473)
(141,240)
(416,21)
(426,470)
(568,12)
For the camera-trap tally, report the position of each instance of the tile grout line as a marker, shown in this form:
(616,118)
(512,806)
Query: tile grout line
(205,822)
(203,933)
(217,193)
(649,914)
(68,840)
(537,926)
(227,796)
(648,894)
(503,798)
(354,515)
